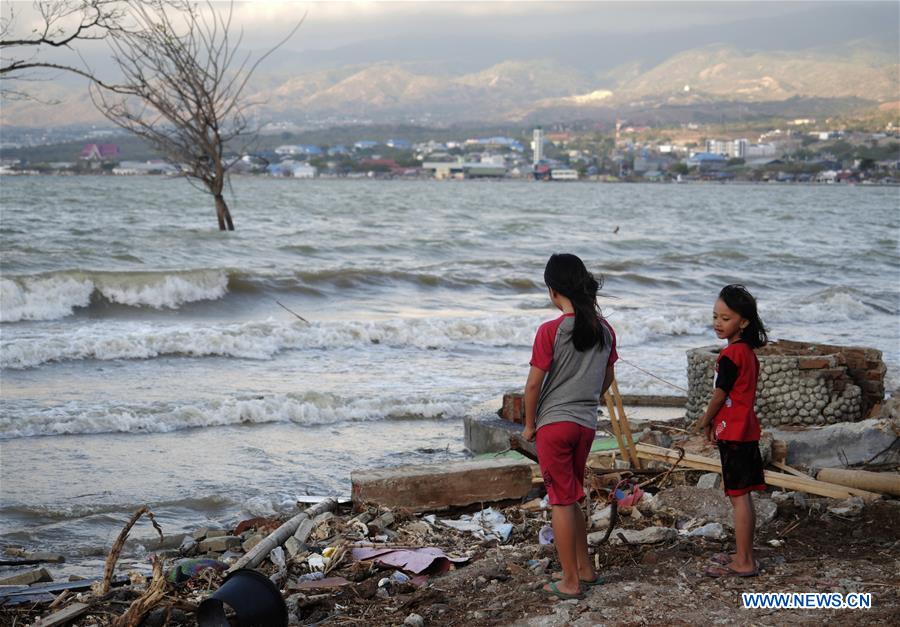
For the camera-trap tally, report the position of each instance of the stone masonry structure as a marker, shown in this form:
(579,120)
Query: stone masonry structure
(800,383)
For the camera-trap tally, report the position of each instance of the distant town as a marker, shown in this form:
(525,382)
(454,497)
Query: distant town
(798,151)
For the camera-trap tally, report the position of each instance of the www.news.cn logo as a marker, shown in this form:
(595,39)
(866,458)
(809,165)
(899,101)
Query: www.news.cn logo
(806,600)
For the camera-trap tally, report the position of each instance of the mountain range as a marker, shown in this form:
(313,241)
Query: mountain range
(518,90)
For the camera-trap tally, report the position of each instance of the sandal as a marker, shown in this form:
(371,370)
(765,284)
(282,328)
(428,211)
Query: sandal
(555,591)
(728,571)
(596,581)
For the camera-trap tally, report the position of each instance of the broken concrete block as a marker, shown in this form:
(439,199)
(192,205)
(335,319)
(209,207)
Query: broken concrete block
(438,486)
(219,544)
(39,575)
(293,547)
(252,541)
(710,505)
(710,480)
(844,443)
(650,535)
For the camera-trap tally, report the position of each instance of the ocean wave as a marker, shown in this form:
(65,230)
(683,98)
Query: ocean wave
(307,409)
(834,304)
(265,339)
(46,513)
(57,295)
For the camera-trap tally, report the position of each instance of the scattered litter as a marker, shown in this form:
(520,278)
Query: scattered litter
(545,535)
(488,524)
(413,560)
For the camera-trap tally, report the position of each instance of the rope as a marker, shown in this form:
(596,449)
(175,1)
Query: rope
(650,374)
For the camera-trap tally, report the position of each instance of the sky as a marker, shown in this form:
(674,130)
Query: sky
(333,25)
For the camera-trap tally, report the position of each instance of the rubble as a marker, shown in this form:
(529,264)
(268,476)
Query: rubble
(413,555)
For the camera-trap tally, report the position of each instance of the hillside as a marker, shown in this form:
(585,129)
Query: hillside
(517,90)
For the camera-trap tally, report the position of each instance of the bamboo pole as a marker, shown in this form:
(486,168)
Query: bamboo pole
(278,537)
(809,485)
(885,482)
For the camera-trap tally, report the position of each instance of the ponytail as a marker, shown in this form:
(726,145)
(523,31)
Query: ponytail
(567,275)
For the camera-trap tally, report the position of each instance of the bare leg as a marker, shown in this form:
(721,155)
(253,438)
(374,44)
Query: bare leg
(583,559)
(565,528)
(744,526)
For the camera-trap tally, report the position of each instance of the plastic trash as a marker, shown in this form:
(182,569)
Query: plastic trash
(190,568)
(399,577)
(313,576)
(545,535)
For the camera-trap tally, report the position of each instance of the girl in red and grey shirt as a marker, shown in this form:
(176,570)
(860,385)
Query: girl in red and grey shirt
(731,421)
(571,367)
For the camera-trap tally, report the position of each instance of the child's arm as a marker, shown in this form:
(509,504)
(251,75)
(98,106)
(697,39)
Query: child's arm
(608,379)
(704,423)
(727,375)
(532,393)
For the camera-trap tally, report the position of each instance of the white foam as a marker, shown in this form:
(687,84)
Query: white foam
(57,296)
(831,305)
(168,291)
(43,298)
(305,409)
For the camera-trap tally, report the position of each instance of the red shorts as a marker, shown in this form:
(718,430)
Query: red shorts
(562,449)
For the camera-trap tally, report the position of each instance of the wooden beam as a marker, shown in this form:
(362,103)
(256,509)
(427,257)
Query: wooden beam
(63,616)
(710,464)
(789,470)
(624,426)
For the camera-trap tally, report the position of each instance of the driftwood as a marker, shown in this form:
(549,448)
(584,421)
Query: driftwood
(278,537)
(809,485)
(116,550)
(155,593)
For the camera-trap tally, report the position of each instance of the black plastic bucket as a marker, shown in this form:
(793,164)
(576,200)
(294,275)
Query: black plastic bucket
(254,598)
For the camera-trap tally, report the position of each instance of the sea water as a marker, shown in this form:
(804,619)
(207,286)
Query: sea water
(146,358)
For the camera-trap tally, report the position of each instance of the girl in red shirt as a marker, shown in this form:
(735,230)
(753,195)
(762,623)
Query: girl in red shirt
(731,421)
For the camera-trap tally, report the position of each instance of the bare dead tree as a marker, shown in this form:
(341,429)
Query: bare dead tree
(62,24)
(182,89)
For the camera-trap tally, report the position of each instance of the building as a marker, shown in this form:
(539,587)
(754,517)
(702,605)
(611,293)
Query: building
(99,152)
(537,145)
(707,161)
(732,148)
(563,174)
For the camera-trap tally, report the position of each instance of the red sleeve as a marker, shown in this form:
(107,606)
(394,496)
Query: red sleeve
(542,351)
(613,353)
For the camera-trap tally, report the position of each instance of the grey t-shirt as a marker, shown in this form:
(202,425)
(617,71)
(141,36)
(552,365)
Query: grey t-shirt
(574,380)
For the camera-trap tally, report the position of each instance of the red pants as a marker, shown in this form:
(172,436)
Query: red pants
(562,449)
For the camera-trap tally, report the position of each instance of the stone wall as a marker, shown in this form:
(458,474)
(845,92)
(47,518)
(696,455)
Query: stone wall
(800,383)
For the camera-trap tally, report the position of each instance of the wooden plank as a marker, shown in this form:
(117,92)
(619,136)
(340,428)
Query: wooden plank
(789,470)
(63,616)
(614,424)
(439,486)
(626,428)
(809,485)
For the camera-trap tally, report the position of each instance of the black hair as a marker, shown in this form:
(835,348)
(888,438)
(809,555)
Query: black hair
(740,301)
(567,275)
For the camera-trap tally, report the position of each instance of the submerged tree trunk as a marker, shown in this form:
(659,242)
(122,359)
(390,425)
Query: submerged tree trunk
(223,214)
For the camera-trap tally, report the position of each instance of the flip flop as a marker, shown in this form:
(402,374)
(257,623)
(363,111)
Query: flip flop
(555,591)
(727,571)
(596,581)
